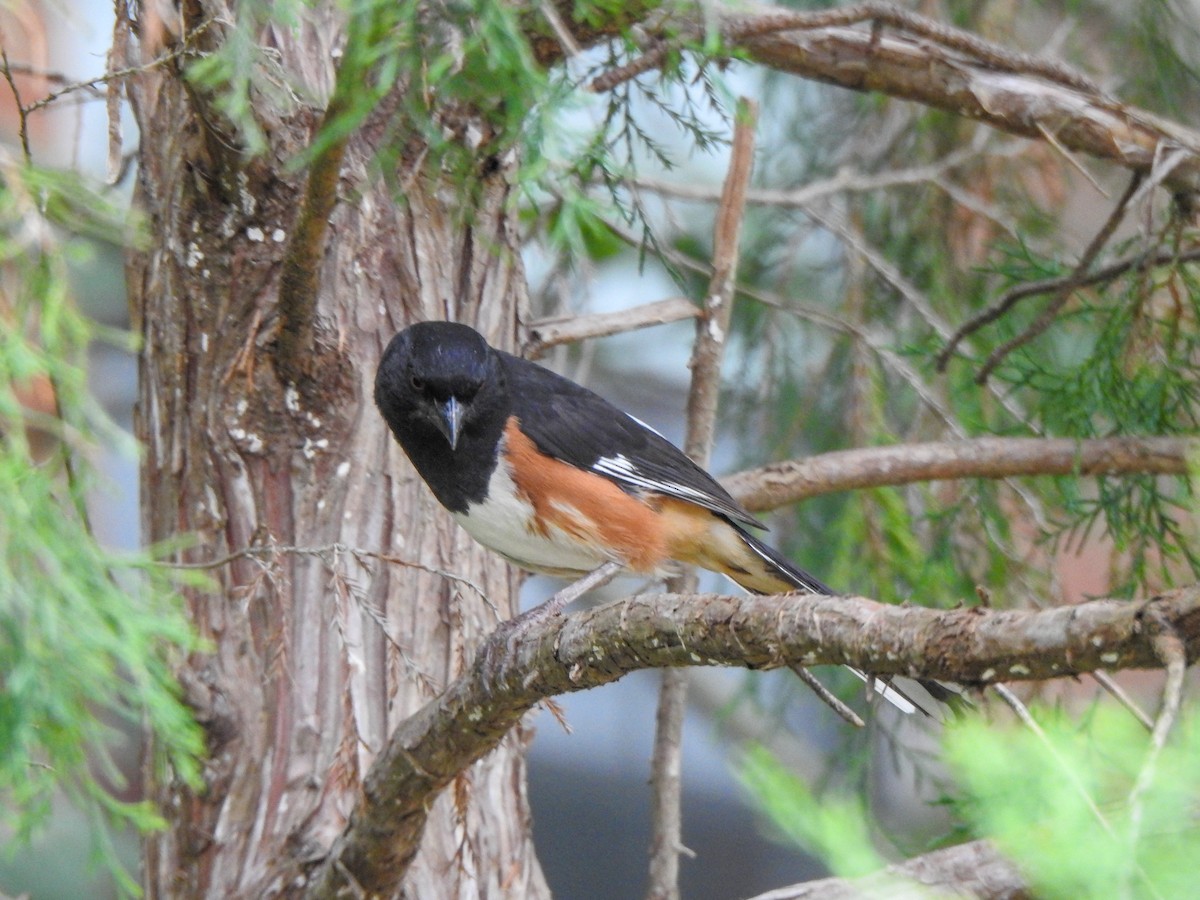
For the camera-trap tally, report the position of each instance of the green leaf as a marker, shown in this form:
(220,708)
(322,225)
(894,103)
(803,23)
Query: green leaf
(1064,808)
(836,829)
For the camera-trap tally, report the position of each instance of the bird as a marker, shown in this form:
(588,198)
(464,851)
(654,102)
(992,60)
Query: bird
(556,479)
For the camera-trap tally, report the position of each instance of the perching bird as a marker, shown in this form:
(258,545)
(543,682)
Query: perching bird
(555,478)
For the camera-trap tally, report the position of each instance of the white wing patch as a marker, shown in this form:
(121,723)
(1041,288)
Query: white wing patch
(620,468)
(885,690)
(647,427)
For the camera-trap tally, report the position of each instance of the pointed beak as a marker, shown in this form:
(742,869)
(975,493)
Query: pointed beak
(450,420)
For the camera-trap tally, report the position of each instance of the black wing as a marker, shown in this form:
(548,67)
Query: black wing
(581,428)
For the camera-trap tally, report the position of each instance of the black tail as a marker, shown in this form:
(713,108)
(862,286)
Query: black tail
(785,569)
(888,688)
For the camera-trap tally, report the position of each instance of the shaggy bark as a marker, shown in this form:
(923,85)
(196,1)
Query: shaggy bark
(259,432)
(315,658)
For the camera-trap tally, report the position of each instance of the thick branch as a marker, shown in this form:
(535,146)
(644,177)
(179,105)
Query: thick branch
(787,482)
(304,256)
(904,55)
(600,645)
(299,277)
(1012,101)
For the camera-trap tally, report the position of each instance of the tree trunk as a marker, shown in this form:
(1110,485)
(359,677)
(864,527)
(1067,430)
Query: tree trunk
(316,651)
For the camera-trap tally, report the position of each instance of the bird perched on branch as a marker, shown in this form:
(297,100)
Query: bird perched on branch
(555,478)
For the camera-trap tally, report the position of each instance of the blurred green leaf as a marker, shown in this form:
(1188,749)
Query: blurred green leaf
(836,829)
(86,634)
(1063,808)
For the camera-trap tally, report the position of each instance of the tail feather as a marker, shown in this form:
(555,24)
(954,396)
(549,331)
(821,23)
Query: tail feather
(784,569)
(789,576)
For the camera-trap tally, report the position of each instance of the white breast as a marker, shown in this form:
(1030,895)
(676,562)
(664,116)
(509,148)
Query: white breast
(500,523)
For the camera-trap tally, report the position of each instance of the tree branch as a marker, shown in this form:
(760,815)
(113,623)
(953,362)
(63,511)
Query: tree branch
(1139,261)
(712,328)
(600,645)
(1017,101)
(914,58)
(974,869)
(1061,297)
(781,483)
(547,333)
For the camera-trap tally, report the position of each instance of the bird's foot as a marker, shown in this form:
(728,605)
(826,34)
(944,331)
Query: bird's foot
(497,658)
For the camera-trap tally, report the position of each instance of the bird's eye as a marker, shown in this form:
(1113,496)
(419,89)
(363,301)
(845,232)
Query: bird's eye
(418,384)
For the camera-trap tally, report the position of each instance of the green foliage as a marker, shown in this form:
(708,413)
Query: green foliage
(1125,359)
(1165,32)
(1083,809)
(451,62)
(1068,809)
(85,633)
(836,829)
(884,554)
(684,96)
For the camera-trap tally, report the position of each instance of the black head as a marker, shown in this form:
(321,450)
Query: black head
(436,377)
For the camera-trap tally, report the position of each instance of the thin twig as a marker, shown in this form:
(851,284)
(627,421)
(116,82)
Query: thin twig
(828,697)
(844,181)
(1010,298)
(1050,313)
(1022,712)
(597,578)
(22,112)
(1119,694)
(90,84)
(651,59)
(666,786)
(879,344)
(1056,144)
(547,333)
(325,550)
(1171,650)
(565,38)
(1069,772)
(712,328)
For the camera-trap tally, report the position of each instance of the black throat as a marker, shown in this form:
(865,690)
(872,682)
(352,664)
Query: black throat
(457,477)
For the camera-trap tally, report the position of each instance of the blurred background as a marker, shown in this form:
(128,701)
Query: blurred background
(854,285)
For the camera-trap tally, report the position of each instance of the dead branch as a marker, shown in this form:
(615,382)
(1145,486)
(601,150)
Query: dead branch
(787,482)
(547,333)
(881,48)
(1015,99)
(600,645)
(708,350)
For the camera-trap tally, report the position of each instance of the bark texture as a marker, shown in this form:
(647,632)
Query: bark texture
(338,693)
(548,656)
(316,654)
